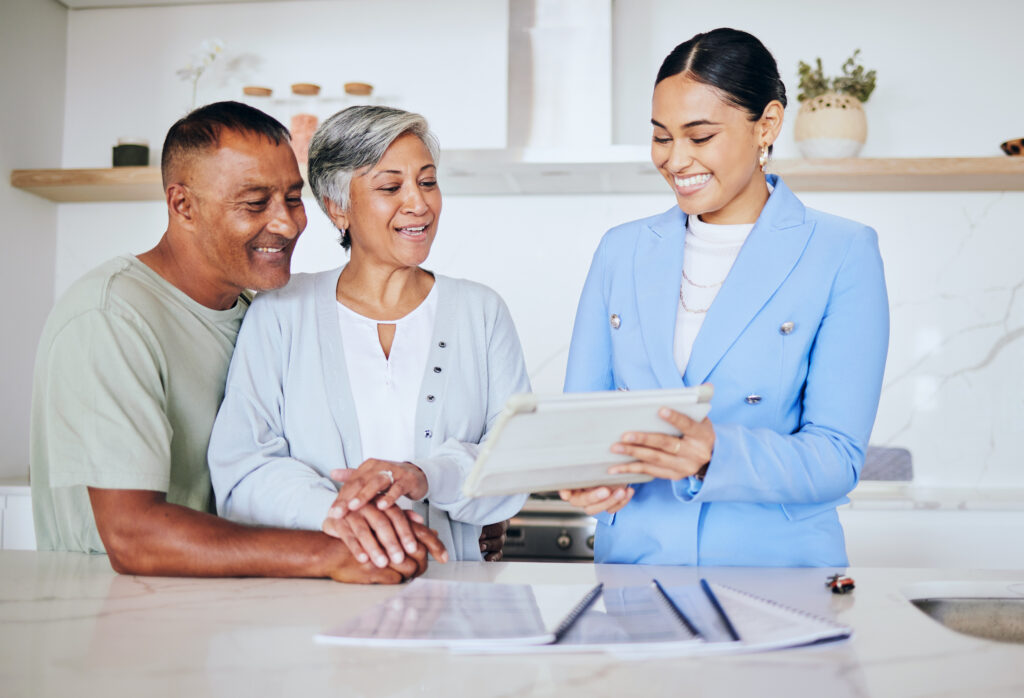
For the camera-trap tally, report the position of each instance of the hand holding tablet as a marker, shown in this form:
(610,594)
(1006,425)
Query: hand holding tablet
(551,442)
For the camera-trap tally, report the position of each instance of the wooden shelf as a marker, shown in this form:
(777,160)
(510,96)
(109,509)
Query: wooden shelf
(505,172)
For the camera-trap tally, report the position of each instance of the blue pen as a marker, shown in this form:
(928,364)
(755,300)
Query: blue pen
(718,608)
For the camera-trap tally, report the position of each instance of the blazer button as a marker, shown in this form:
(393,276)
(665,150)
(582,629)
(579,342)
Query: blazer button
(430,398)
(787,327)
(615,321)
(753,399)
(437,369)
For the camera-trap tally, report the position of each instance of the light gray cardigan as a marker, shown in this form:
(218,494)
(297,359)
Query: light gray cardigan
(288,417)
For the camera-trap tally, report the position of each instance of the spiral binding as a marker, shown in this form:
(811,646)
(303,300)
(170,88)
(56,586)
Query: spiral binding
(578,610)
(795,611)
(667,601)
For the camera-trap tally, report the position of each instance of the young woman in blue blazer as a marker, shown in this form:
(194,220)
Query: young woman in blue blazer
(781,307)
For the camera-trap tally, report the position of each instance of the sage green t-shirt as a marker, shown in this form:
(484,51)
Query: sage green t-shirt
(129,375)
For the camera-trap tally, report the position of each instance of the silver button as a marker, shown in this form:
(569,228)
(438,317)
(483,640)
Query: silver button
(786,327)
(753,399)
(615,321)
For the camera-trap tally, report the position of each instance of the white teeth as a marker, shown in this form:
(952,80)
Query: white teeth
(269,249)
(413,231)
(692,181)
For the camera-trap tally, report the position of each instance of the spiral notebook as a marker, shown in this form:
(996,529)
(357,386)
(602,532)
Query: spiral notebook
(634,620)
(731,620)
(467,615)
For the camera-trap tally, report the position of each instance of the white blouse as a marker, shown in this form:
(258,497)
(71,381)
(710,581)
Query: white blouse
(385,389)
(710,251)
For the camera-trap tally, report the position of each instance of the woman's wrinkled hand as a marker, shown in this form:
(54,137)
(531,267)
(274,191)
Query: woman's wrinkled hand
(594,500)
(384,537)
(382,480)
(665,456)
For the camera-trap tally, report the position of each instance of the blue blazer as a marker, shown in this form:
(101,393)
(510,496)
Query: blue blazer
(793,405)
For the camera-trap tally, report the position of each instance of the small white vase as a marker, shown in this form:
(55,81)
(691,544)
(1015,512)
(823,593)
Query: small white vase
(831,126)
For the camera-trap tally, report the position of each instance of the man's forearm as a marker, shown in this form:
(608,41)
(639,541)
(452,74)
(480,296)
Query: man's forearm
(146,535)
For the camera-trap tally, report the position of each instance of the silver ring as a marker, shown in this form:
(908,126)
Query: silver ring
(390,476)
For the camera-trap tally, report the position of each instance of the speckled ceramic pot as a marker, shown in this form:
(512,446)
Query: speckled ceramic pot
(831,126)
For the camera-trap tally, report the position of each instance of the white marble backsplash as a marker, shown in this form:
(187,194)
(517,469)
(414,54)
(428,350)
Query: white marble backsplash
(954,383)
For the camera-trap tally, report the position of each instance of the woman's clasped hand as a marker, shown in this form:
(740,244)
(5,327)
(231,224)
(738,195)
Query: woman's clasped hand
(367,519)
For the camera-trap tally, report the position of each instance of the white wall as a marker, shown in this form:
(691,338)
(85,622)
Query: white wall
(941,66)
(32,50)
(953,388)
(122,64)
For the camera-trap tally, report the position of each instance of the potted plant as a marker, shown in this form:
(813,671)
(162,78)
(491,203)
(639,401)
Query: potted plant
(831,121)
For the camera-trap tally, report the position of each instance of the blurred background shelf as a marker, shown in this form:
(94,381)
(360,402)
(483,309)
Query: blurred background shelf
(617,170)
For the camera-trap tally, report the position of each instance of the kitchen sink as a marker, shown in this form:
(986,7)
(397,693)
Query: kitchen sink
(1001,620)
(986,610)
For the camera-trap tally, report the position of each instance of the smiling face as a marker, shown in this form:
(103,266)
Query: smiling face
(708,150)
(246,212)
(394,207)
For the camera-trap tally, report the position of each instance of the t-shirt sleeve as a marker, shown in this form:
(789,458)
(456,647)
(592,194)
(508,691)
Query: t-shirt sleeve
(105,407)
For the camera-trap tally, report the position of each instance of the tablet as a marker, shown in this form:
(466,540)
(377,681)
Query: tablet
(541,443)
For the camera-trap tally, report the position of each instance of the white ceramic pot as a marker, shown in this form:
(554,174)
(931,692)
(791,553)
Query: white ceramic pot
(831,126)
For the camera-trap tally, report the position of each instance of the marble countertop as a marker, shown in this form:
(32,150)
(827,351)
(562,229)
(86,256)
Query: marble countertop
(70,626)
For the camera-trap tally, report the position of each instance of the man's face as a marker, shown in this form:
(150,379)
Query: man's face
(247,211)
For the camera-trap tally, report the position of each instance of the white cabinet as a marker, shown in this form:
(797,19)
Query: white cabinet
(17,531)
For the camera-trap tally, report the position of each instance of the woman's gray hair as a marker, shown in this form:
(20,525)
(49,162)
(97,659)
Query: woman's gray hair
(355,139)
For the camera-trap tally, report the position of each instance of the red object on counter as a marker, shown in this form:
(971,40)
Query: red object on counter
(840,584)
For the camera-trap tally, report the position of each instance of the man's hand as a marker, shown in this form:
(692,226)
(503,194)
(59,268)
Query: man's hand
(383,480)
(144,534)
(492,540)
(342,567)
(383,538)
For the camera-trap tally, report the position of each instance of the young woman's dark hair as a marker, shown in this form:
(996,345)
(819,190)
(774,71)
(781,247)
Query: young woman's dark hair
(732,61)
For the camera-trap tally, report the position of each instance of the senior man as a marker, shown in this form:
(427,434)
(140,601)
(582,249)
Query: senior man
(131,367)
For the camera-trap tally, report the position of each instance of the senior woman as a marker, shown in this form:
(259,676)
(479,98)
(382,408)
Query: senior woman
(781,307)
(381,375)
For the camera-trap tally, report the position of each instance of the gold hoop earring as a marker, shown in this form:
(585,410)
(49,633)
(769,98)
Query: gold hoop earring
(763,160)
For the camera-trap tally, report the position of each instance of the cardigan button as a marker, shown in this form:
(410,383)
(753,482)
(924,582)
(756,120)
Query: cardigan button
(442,344)
(786,327)
(430,398)
(753,399)
(427,434)
(437,369)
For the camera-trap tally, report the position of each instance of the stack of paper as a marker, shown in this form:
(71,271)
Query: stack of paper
(470,616)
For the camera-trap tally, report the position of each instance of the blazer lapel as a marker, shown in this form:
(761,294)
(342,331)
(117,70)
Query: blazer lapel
(332,356)
(657,273)
(767,257)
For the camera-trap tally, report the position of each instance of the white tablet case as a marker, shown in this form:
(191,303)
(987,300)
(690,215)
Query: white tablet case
(548,442)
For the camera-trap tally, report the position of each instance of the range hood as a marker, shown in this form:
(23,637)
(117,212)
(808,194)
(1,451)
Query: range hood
(559,111)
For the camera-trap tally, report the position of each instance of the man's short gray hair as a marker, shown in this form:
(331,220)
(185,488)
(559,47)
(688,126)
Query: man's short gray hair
(355,139)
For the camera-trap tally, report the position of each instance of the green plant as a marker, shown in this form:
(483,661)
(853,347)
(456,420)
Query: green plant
(855,81)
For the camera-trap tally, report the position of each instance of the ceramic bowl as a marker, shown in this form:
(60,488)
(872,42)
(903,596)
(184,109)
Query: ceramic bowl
(1014,147)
